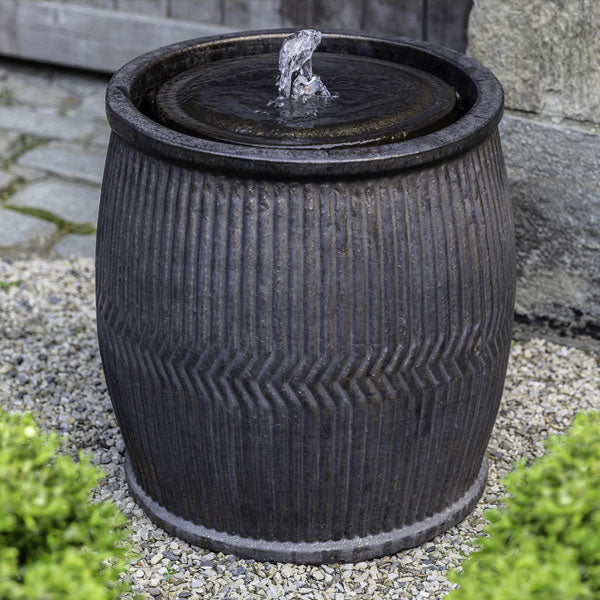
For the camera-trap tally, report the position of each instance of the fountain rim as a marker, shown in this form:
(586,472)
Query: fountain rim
(472,128)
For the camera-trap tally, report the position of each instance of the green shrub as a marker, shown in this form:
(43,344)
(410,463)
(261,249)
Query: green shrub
(54,542)
(545,544)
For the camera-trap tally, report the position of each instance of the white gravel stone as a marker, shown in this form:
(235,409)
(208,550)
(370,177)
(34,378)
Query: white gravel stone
(49,364)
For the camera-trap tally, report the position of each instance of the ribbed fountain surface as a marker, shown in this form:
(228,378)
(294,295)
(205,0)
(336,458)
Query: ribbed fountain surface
(305,299)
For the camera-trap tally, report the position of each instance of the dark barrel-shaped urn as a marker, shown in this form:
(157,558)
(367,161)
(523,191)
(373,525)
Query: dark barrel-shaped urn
(305,317)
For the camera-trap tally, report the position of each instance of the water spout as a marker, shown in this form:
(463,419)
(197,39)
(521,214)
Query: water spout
(297,81)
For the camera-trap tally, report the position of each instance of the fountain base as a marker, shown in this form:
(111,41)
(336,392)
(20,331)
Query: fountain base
(318,552)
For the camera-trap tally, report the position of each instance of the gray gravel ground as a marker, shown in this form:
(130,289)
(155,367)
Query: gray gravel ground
(49,363)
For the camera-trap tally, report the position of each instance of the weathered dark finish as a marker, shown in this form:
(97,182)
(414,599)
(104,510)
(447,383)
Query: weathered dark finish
(306,349)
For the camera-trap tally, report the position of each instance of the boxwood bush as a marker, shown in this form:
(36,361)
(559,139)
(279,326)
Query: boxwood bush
(54,542)
(545,543)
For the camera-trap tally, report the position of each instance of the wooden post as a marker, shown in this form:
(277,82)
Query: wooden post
(205,11)
(400,17)
(252,14)
(446,22)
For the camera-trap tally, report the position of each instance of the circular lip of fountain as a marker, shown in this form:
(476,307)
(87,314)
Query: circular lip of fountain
(475,84)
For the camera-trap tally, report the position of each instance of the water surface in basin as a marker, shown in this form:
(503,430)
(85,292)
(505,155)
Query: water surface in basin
(373,101)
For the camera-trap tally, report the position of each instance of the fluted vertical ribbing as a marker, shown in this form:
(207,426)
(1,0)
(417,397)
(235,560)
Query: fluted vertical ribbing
(309,362)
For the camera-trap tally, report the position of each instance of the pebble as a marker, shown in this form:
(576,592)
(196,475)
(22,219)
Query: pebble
(168,554)
(156,558)
(288,570)
(546,385)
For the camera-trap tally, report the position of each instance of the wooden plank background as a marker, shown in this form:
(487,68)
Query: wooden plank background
(104,34)
(86,37)
(441,21)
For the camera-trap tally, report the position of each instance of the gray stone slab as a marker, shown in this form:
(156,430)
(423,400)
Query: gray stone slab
(545,53)
(67,161)
(74,83)
(554,181)
(26,173)
(44,123)
(565,150)
(82,83)
(72,202)
(10,144)
(76,246)
(35,91)
(17,229)
(93,106)
(101,138)
(6,179)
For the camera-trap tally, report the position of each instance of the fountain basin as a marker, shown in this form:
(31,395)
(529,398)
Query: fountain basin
(305,334)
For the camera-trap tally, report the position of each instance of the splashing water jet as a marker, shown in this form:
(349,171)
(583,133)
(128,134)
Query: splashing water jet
(297,82)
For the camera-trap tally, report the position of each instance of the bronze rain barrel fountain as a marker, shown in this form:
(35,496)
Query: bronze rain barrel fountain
(305,289)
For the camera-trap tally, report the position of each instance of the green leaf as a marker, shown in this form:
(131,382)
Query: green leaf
(55,544)
(544,545)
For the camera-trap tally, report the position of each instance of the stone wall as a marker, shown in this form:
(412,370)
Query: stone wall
(546,53)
